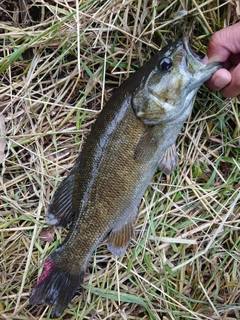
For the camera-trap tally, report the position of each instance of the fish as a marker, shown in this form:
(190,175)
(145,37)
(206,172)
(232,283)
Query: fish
(134,134)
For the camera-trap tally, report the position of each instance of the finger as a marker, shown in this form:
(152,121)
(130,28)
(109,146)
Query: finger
(224,43)
(233,88)
(213,52)
(220,79)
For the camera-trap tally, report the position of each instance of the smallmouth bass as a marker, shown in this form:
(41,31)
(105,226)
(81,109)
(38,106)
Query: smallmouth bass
(134,134)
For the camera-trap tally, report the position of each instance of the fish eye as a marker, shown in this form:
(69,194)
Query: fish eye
(165,64)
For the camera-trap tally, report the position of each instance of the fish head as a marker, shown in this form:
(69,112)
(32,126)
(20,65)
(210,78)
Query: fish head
(167,91)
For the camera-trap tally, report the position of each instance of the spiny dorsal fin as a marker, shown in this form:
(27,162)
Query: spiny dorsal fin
(119,239)
(169,160)
(60,210)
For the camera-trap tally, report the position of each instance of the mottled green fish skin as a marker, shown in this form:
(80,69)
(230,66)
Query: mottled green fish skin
(135,132)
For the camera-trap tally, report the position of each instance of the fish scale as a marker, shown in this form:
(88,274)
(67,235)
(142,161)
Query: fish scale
(133,135)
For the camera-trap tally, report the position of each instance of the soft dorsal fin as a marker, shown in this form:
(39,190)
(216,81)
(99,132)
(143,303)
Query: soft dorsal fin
(169,160)
(60,210)
(119,238)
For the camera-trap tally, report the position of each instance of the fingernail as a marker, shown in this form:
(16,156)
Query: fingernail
(219,82)
(205,60)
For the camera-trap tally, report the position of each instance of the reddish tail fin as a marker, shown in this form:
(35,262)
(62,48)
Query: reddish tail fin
(56,287)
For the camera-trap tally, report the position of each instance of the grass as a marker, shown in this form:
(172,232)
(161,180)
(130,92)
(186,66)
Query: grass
(59,65)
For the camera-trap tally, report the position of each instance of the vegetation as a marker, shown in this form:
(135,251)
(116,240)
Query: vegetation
(59,64)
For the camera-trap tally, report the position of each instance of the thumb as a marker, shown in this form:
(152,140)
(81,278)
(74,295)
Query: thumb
(220,79)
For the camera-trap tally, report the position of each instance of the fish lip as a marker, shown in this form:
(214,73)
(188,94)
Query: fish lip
(208,68)
(189,50)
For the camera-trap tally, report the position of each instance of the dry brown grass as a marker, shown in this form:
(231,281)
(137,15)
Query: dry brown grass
(58,67)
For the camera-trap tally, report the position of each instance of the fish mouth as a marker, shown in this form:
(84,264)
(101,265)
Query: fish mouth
(189,50)
(192,60)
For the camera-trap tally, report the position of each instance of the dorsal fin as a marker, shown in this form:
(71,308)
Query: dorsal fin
(60,210)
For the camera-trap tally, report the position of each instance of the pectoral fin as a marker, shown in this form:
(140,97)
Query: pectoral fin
(119,238)
(169,160)
(148,143)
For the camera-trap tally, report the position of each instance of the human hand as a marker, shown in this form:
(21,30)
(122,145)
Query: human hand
(224,46)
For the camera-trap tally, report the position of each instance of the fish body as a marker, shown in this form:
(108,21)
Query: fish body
(133,135)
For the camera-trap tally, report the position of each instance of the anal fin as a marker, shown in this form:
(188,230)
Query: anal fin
(169,160)
(119,239)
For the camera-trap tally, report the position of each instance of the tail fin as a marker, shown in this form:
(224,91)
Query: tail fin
(55,287)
